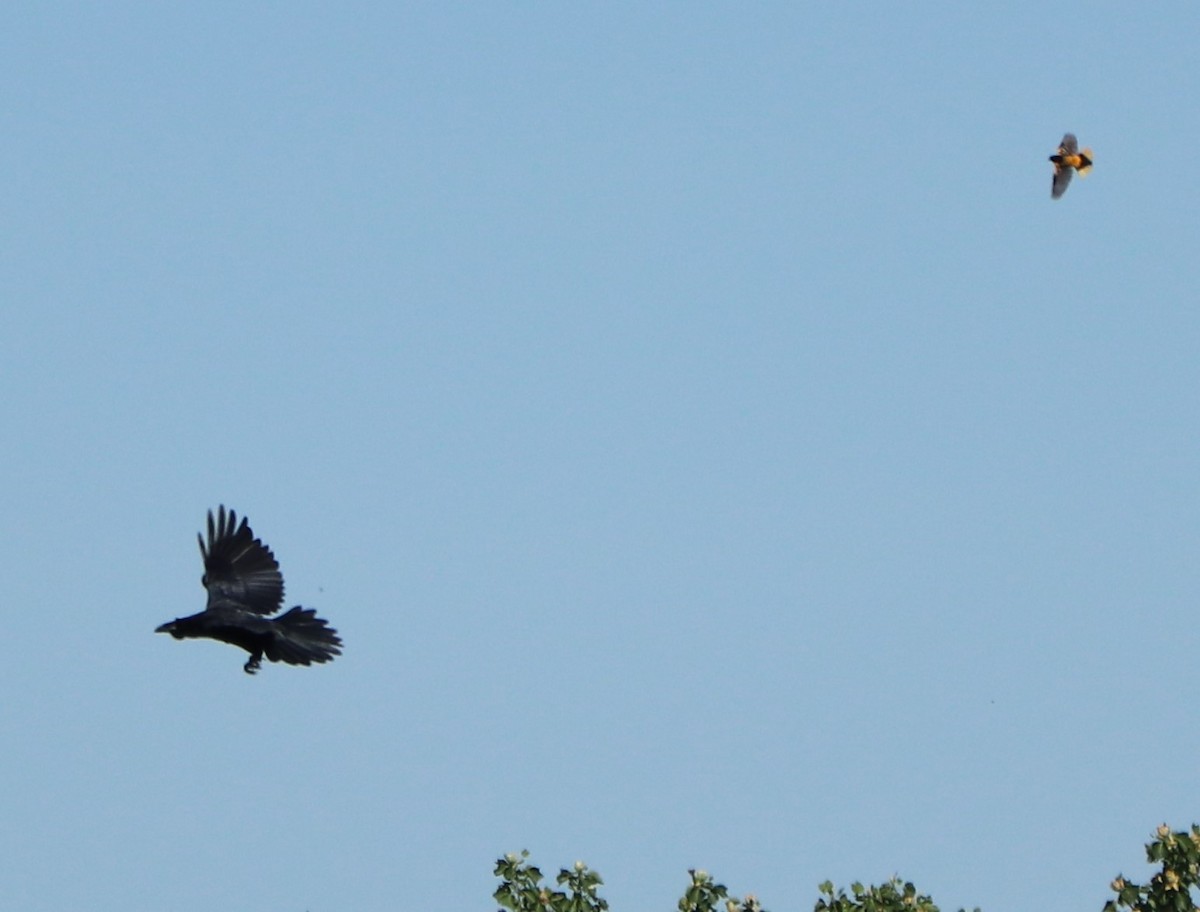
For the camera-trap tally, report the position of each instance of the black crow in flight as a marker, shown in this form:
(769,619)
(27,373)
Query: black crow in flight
(244,586)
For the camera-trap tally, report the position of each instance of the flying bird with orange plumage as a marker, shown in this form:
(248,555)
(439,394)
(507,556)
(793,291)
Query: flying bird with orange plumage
(1067,161)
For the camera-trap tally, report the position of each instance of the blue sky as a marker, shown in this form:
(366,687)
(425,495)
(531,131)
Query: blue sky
(714,446)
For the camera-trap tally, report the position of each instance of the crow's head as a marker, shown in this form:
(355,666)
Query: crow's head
(171,627)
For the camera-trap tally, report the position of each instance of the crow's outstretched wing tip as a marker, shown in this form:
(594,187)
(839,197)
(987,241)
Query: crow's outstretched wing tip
(239,570)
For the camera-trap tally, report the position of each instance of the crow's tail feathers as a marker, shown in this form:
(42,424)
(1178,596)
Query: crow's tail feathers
(302,638)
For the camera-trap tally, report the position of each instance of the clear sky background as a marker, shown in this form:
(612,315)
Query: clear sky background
(713,444)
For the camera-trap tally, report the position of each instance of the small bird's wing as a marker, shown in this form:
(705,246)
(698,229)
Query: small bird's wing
(1062,177)
(1068,146)
(239,570)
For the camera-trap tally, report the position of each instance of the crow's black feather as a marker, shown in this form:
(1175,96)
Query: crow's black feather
(244,586)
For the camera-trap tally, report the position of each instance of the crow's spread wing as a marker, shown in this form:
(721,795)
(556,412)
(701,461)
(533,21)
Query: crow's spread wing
(240,572)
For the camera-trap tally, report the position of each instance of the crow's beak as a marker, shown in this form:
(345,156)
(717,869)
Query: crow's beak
(164,628)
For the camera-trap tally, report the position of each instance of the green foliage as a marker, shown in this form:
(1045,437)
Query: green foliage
(893,896)
(522,890)
(705,894)
(1171,889)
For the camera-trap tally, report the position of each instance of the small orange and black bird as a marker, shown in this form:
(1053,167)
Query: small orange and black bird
(1068,160)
